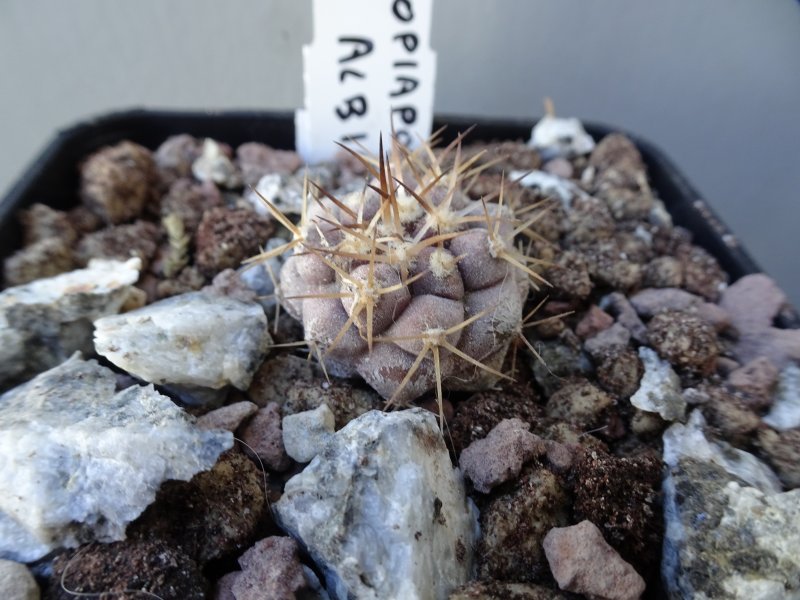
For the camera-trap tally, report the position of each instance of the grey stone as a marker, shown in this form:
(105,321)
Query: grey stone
(193,339)
(80,462)
(16,582)
(660,388)
(382,511)
(726,515)
(306,433)
(43,322)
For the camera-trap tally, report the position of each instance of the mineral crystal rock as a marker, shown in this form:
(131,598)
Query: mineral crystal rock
(382,511)
(660,388)
(725,514)
(192,339)
(43,322)
(80,462)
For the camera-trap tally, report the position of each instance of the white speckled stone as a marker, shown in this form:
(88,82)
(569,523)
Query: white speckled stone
(79,461)
(726,515)
(660,388)
(306,433)
(43,322)
(557,136)
(194,339)
(382,511)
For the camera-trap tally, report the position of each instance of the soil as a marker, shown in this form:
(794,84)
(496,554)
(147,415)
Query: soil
(605,465)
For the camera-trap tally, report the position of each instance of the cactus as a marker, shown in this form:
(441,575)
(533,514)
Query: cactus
(409,284)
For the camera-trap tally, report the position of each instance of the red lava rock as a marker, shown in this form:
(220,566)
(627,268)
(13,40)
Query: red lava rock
(753,302)
(684,340)
(117,182)
(264,435)
(582,562)
(120,242)
(45,258)
(41,222)
(756,380)
(84,220)
(270,569)
(593,322)
(226,237)
(256,160)
(106,570)
(500,455)
(174,157)
(228,417)
(190,200)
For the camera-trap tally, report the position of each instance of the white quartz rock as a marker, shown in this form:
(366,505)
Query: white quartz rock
(80,462)
(689,441)
(306,433)
(382,511)
(725,514)
(557,136)
(548,183)
(660,388)
(194,339)
(785,412)
(43,322)
(214,165)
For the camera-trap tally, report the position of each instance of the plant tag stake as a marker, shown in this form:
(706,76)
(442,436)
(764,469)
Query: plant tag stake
(368,68)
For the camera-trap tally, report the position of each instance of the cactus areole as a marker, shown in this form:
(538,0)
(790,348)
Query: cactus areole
(409,284)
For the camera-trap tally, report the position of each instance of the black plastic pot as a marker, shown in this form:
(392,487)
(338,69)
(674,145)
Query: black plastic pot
(53,178)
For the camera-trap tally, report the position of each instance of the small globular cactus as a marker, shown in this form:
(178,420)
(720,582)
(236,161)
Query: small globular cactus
(409,284)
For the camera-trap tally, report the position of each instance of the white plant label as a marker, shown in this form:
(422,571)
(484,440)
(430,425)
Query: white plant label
(368,69)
